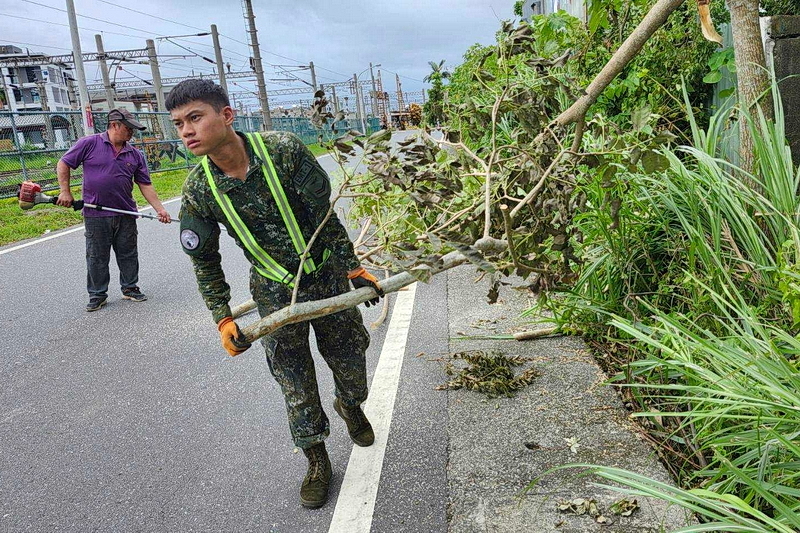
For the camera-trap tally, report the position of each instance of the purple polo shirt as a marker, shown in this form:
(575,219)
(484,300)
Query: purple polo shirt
(107,178)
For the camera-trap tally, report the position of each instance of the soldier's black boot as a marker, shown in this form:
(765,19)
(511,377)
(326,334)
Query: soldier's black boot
(314,491)
(358,426)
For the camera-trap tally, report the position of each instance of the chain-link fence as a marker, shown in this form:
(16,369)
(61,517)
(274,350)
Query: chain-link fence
(32,142)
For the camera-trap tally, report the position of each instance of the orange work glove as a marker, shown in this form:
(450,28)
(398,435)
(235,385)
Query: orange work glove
(231,336)
(359,277)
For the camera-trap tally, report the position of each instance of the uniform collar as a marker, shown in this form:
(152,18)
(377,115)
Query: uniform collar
(226,183)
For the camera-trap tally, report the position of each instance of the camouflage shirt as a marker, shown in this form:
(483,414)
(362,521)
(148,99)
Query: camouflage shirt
(307,189)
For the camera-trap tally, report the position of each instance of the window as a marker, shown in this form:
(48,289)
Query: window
(17,95)
(34,137)
(33,74)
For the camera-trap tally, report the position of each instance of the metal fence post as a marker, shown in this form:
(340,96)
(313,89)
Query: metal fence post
(18,147)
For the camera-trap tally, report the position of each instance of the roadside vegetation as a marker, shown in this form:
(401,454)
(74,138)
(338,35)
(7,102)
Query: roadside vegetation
(637,232)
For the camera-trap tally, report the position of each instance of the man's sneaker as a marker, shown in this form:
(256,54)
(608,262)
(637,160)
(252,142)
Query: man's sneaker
(314,490)
(95,303)
(134,294)
(358,426)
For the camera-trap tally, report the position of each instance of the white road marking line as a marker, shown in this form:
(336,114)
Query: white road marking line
(42,239)
(356,502)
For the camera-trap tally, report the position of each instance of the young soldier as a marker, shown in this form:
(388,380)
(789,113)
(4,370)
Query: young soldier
(270,193)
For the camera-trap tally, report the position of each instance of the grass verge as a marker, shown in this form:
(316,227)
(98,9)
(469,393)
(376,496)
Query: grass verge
(317,149)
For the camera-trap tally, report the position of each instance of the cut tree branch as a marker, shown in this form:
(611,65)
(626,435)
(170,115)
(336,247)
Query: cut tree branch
(303,311)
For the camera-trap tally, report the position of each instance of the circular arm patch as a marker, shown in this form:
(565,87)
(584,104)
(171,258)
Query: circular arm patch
(189,239)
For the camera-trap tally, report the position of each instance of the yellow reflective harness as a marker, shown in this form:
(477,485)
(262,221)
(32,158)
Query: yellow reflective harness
(269,268)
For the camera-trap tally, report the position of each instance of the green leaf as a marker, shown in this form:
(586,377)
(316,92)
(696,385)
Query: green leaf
(712,77)
(379,136)
(654,162)
(640,117)
(664,137)
(474,256)
(421,273)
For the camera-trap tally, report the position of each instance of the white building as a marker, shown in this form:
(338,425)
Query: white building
(576,8)
(28,88)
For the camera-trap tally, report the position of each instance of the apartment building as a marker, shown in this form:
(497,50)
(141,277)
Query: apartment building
(36,88)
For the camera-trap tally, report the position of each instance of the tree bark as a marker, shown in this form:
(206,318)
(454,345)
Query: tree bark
(751,72)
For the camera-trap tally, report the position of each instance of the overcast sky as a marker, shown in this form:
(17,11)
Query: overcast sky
(341,38)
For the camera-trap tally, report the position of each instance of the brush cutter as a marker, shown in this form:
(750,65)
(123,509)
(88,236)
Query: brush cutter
(30,194)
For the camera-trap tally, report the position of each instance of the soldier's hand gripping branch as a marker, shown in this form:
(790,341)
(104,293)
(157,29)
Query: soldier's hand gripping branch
(359,277)
(231,336)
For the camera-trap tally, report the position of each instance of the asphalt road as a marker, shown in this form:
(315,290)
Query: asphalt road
(133,418)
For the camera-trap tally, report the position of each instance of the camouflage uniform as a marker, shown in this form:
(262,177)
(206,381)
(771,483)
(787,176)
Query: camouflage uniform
(341,338)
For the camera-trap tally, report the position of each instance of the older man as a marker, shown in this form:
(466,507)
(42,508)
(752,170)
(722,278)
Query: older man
(110,168)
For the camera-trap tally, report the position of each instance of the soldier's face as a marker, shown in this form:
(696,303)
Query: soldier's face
(202,128)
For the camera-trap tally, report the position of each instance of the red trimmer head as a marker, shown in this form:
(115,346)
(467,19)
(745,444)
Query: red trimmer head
(30,194)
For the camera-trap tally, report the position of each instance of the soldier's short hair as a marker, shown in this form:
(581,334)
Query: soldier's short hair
(191,90)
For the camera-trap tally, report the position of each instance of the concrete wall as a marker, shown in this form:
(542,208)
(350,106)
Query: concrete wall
(783,46)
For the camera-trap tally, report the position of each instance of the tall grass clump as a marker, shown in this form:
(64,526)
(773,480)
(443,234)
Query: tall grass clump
(698,290)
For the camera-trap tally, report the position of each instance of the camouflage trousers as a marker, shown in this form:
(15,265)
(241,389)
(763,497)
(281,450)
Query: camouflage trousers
(342,341)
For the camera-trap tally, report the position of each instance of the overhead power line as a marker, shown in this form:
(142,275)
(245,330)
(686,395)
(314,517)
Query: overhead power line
(406,77)
(38,45)
(67,25)
(152,16)
(90,18)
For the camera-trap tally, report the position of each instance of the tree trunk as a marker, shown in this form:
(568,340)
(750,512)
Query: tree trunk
(751,72)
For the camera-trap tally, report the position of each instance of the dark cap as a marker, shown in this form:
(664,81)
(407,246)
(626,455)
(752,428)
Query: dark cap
(126,117)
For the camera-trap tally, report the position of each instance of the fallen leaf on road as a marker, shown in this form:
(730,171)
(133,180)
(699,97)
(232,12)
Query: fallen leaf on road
(573,444)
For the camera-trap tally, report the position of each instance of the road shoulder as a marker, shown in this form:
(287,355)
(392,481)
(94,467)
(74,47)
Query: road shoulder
(497,446)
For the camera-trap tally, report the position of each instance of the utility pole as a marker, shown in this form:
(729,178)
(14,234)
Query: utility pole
(48,124)
(160,123)
(423,96)
(359,111)
(77,55)
(374,100)
(400,103)
(313,76)
(218,53)
(335,100)
(9,96)
(101,54)
(7,91)
(151,54)
(257,67)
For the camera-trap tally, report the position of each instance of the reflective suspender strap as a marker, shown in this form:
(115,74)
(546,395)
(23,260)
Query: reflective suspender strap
(299,242)
(271,269)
